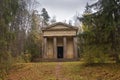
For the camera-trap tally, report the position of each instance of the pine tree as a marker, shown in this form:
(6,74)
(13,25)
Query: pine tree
(87,9)
(108,12)
(102,27)
(45,16)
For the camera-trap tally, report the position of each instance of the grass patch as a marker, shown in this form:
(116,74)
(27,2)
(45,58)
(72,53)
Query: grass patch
(32,71)
(68,71)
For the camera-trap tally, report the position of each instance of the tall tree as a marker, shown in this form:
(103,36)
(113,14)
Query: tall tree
(8,10)
(108,12)
(16,22)
(45,16)
(87,9)
(102,26)
(19,26)
(34,42)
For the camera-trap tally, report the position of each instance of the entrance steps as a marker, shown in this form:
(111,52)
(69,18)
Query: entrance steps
(59,60)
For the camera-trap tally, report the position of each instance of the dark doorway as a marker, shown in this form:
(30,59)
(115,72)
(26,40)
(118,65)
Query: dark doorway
(60,52)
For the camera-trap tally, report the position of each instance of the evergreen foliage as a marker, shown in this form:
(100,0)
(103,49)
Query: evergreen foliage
(45,16)
(101,29)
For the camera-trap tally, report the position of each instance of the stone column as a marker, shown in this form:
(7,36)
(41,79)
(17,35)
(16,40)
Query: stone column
(45,47)
(75,47)
(55,47)
(65,46)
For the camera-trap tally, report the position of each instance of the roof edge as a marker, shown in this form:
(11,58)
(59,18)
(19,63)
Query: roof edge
(60,23)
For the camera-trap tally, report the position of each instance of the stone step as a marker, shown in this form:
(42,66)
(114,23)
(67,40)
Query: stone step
(58,60)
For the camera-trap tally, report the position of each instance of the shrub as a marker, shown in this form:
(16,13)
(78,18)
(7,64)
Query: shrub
(5,64)
(95,55)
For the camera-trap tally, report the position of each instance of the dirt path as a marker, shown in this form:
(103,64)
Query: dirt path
(58,72)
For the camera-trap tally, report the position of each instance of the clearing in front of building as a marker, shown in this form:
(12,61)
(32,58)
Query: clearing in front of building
(64,71)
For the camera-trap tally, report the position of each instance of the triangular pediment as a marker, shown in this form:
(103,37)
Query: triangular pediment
(60,26)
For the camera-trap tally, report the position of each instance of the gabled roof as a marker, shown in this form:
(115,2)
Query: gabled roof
(60,23)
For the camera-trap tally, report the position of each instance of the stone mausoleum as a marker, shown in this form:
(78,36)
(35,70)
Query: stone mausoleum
(60,41)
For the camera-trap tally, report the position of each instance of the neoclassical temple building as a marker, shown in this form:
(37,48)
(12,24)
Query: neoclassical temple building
(60,41)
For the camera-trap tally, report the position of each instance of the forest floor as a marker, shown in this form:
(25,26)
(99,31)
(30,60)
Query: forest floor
(64,71)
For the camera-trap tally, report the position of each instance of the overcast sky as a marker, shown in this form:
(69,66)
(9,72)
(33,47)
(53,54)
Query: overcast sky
(64,9)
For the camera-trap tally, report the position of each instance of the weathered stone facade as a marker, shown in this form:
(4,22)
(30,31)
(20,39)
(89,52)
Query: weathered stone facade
(60,41)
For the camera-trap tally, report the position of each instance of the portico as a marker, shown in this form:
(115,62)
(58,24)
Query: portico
(60,41)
